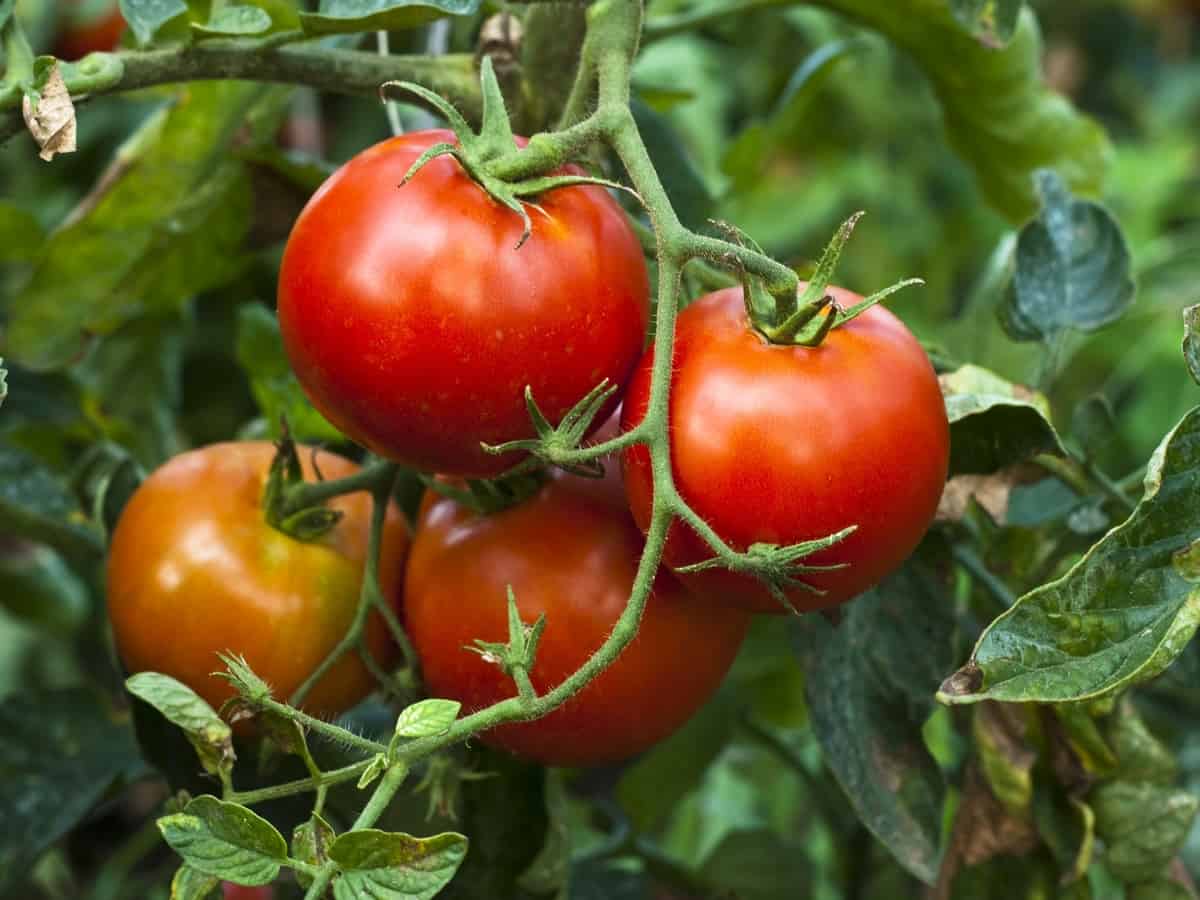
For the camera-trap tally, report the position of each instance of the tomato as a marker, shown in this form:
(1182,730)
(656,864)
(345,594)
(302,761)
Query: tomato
(233,891)
(781,444)
(569,552)
(194,569)
(89,27)
(415,324)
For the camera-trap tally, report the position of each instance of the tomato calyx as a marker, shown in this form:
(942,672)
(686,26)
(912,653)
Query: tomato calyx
(778,567)
(515,658)
(488,496)
(553,444)
(805,318)
(477,151)
(306,522)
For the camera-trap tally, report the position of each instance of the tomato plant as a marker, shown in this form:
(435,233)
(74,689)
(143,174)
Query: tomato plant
(779,444)
(88,27)
(415,327)
(195,570)
(569,553)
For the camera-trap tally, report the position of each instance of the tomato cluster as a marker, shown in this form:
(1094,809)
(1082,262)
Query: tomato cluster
(415,322)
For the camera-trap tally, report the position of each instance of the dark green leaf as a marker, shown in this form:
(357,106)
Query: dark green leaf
(600,880)
(1191,340)
(20,234)
(653,787)
(758,865)
(37,506)
(146,17)
(1141,756)
(427,718)
(1119,616)
(994,423)
(550,870)
(992,22)
(59,753)
(226,840)
(1072,268)
(37,587)
(1159,889)
(388,865)
(1143,825)
(1000,116)
(278,393)
(870,690)
(348,16)
(1093,424)
(234,21)
(190,884)
(212,738)
(168,225)
(689,195)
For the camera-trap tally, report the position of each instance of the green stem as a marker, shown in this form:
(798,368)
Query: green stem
(326,729)
(301,786)
(967,558)
(313,493)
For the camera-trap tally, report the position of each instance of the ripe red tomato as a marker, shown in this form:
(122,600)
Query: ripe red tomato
(781,444)
(194,569)
(88,27)
(238,892)
(415,324)
(570,552)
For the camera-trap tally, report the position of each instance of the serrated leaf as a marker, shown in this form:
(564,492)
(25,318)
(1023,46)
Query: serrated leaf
(146,17)
(226,840)
(278,394)
(870,690)
(1191,341)
(994,423)
(180,705)
(384,864)
(999,114)
(1143,826)
(191,884)
(234,21)
(1119,616)
(427,718)
(351,16)
(1073,268)
(991,22)
(167,223)
(60,751)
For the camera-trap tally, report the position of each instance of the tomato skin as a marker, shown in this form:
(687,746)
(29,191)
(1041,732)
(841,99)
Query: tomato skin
(415,325)
(78,37)
(194,569)
(233,891)
(781,444)
(570,552)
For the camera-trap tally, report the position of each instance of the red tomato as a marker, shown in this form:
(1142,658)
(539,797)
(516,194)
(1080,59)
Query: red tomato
(570,552)
(84,30)
(194,569)
(781,444)
(415,324)
(237,892)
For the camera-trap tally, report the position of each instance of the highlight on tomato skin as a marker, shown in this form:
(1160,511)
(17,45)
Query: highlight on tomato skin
(779,444)
(194,570)
(569,552)
(414,323)
(88,27)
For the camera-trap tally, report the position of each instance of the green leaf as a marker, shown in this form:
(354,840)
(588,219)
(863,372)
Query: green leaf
(37,587)
(1005,759)
(1000,116)
(226,840)
(427,718)
(1159,889)
(6,11)
(605,880)
(1143,825)
(1191,340)
(38,506)
(758,865)
(310,844)
(387,865)
(992,22)
(681,180)
(146,17)
(278,394)
(234,21)
(1141,756)
(168,225)
(212,738)
(551,868)
(1119,616)
(349,16)
(1073,268)
(60,751)
(20,234)
(191,884)
(994,423)
(870,689)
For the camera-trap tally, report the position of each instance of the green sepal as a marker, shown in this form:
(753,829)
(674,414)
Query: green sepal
(552,442)
(306,524)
